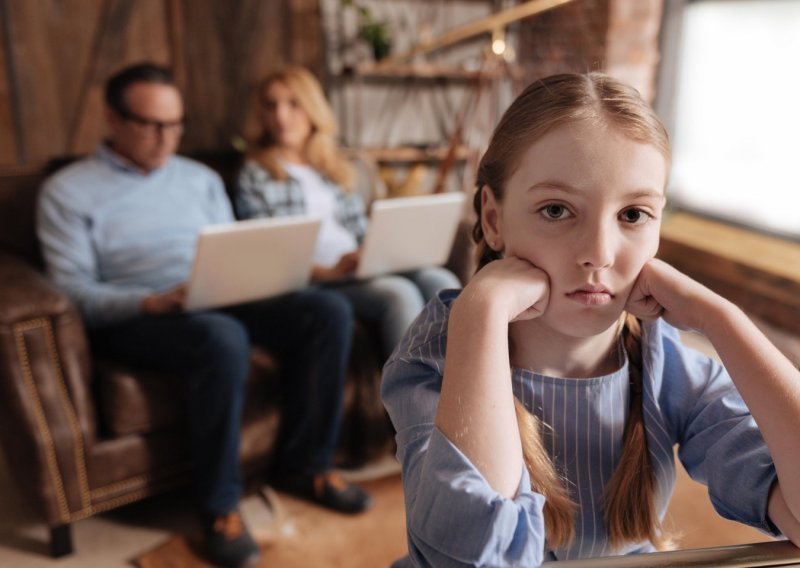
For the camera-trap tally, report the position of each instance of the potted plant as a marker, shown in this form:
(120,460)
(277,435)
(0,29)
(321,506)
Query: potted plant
(373,32)
(376,34)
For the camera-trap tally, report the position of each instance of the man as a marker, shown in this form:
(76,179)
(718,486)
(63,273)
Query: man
(118,232)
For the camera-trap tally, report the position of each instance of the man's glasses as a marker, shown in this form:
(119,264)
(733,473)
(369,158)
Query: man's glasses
(152,128)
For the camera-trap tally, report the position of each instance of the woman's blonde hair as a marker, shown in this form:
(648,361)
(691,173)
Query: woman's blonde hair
(630,495)
(322,150)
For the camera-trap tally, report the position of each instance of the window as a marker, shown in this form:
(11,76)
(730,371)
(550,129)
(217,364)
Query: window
(735,111)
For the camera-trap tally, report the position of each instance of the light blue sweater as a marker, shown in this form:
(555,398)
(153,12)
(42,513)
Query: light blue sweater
(112,235)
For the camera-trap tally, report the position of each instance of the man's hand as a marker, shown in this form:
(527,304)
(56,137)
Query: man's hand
(165,302)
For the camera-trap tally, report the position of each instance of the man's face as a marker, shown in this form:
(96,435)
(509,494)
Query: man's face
(149,130)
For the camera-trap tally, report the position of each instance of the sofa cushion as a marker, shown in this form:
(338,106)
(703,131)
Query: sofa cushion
(140,402)
(19,190)
(135,402)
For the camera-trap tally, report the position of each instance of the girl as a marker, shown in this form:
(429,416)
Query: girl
(536,411)
(297,168)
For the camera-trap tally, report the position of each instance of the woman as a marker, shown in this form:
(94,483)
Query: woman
(297,168)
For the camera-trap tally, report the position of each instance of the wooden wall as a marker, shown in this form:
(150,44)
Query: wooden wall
(55,56)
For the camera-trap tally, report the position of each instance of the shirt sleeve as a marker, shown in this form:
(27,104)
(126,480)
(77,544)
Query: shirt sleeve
(352,214)
(250,201)
(64,235)
(453,516)
(720,444)
(219,205)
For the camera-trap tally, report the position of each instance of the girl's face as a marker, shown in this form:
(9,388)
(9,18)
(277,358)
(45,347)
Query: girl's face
(284,117)
(585,207)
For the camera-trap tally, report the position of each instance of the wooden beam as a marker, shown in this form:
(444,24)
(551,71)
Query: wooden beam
(176,39)
(478,27)
(12,135)
(758,272)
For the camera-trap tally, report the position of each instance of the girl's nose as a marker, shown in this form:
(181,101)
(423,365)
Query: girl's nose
(597,249)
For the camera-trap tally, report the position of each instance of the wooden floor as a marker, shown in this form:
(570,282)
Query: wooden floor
(690,515)
(695,522)
(115,538)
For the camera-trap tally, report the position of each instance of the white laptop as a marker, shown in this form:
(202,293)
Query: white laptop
(251,260)
(407,233)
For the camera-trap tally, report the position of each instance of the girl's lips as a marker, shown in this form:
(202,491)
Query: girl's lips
(591,298)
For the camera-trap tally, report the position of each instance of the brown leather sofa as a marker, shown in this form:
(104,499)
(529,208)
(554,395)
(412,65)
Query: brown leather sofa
(83,435)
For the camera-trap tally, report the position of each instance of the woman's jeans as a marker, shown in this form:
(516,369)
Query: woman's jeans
(393,301)
(310,332)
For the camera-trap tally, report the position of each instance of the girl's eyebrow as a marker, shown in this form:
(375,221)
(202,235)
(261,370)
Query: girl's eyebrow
(560,186)
(556,185)
(646,193)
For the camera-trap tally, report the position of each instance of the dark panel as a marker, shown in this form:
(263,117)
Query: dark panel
(49,49)
(8,130)
(131,31)
(62,52)
(570,38)
(225,48)
(305,37)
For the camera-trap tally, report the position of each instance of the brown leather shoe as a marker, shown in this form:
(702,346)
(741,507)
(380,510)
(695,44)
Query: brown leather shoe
(327,489)
(228,542)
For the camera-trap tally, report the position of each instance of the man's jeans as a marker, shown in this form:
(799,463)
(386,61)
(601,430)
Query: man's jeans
(309,331)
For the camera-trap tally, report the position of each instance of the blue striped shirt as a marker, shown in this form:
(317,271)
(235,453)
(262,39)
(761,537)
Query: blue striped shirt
(454,518)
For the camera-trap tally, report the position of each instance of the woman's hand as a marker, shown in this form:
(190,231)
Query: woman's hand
(663,291)
(165,302)
(513,285)
(344,268)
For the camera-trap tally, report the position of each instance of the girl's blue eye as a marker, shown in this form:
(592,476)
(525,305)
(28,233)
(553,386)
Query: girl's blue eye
(635,216)
(554,212)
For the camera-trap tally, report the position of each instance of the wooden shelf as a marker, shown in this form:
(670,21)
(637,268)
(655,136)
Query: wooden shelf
(429,71)
(410,154)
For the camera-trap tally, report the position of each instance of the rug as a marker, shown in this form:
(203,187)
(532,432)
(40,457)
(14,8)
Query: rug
(300,534)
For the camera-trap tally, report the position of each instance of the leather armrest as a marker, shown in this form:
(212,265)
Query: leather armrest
(47,415)
(25,293)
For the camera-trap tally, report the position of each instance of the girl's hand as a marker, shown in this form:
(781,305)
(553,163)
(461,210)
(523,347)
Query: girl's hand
(516,287)
(663,291)
(476,406)
(165,302)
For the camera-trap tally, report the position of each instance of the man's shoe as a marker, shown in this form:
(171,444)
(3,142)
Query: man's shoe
(228,542)
(326,489)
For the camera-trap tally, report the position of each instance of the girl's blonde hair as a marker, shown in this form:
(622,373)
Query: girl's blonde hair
(322,150)
(629,497)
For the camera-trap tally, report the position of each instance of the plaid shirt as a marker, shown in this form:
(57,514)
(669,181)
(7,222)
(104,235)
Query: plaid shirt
(260,195)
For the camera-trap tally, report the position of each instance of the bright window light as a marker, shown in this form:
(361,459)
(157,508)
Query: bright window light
(736,137)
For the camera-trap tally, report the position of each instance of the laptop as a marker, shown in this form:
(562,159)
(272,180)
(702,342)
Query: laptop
(251,260)
(407,233)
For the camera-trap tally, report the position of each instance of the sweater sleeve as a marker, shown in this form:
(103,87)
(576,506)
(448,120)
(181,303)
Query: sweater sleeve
(69,257)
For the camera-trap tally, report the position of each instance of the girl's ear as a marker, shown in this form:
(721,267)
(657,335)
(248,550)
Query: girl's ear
(490,220)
